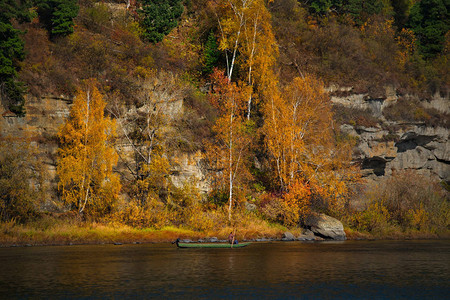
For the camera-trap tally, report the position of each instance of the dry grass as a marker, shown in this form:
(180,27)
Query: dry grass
(50,230)
(73,233)
(65,233)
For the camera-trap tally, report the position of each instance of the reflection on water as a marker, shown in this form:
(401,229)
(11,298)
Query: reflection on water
(407,269)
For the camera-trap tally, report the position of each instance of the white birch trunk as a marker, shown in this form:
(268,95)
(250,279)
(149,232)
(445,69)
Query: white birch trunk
(231,168)
(88,99)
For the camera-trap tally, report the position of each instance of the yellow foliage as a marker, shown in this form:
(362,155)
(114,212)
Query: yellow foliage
(229,153)
(374,219)
(301,142)
(407,45)
(246,29)
(86,155)
(298,202)
(419,217)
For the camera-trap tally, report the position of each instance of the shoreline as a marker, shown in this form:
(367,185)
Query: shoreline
(168,236)
(66,232)
(251,241)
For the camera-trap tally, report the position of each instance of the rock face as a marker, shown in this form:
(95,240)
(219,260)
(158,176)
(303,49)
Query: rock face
(395,146)
(382,149)
(420,148)
(189,168)
(43,118)
(45,115)
(326,227)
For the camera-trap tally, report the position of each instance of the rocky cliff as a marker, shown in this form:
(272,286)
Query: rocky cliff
(382,148)
(389,145)
(45,115)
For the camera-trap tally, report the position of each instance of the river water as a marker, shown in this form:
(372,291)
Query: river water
(278,270)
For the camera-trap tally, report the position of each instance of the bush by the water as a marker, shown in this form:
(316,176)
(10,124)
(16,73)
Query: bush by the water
(21,181)
(407,202)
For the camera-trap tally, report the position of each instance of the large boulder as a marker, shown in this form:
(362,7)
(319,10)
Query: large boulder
(326,227)
(287,236)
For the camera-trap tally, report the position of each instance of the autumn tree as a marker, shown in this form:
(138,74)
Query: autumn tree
(228,155)
(247,39)
(304,152)
(86,156)
(407,47)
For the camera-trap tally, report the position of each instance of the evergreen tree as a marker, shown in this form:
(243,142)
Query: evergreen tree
(57,16)
(210,54)
(11,52)
(360,10)
(430,21)
(401,12)
(15,9)
(323,7)
(159,17)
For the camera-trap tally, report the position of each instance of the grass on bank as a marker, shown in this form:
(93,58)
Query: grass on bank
(52,231)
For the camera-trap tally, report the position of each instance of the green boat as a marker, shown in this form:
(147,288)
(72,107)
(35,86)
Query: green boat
(210,245)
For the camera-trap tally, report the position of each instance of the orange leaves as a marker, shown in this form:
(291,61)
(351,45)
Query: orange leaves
(406,42)
(298,129)
(302,147)
(298,201)
(86,156)
(227,97)
(229,154)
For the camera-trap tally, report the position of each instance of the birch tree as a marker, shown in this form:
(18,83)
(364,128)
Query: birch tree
(228,154)
(86,155)
(301,141)
(247,39)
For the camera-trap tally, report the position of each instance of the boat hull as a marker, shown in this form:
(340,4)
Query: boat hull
(211,245)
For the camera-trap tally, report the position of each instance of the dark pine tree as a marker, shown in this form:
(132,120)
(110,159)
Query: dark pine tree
(361,10)
(430,21)
(210,54)
(159,17)
(57,16)
(11,53)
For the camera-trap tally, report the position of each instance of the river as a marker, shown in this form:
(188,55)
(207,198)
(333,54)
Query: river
(278,270)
